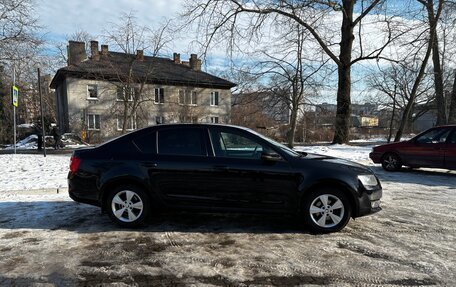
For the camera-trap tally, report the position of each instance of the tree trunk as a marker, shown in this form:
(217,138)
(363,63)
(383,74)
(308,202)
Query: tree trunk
(390,133)
(292,130)
(342,123)
(125,115)
(438,78)
(452,112)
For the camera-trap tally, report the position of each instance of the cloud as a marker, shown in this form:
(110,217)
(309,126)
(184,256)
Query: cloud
(62,18)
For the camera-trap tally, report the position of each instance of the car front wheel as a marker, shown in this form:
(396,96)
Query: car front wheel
(128,206)
(326,210)
(391,162)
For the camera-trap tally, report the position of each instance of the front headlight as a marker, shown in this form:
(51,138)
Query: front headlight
(369,181)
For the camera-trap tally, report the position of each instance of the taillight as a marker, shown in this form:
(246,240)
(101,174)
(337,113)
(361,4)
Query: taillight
(74,163)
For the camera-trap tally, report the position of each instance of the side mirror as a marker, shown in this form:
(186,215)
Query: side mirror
(269,156)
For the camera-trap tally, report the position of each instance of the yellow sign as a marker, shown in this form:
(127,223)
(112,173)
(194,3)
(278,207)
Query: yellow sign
(15,96)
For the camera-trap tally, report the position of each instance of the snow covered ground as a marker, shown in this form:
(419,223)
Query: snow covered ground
(48,239)
(33,171)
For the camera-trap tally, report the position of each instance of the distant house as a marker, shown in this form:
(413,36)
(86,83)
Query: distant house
(362,115)
(261,104)
(109,92)
(364,121)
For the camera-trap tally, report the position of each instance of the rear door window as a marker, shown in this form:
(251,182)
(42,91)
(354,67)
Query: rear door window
(182,141)
(147,143)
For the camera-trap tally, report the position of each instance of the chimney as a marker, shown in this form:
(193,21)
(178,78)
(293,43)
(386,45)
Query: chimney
(198,65)
(94,50)
(195,63)
(104,50)
(76,52)
(177,58)
(140,55)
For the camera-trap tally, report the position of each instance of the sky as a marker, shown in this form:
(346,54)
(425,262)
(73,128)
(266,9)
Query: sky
(62,18)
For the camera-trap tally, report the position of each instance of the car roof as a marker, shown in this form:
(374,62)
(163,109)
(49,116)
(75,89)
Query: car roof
(159,126)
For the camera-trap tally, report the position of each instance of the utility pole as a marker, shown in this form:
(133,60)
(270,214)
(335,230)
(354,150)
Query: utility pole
(42,116)
(14,105)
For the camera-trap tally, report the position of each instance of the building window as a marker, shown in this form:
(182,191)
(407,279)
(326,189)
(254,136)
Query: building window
(181,97)
(131,125)
(214,98)
(93,122)
(188,119)
(214,120)
(159,95)
(92,92)
(193,98)
(186,98)
(159,120)
(123,94)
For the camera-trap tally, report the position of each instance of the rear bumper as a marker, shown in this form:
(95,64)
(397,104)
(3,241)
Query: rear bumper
(79,191)
(376,157)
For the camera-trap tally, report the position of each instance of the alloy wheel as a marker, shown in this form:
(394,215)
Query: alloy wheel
(127,206)
(327,210)
(391,162)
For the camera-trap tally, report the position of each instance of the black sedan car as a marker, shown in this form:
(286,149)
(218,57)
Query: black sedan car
(219,168)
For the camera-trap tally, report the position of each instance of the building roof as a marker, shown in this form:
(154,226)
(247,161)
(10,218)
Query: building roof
(154,70)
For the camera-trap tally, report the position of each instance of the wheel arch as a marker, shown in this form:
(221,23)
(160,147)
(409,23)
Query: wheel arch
(336,184)
(113,183)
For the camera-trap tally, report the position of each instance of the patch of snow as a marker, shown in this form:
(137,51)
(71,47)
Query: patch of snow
(29,172)
(25,126)
(358,154)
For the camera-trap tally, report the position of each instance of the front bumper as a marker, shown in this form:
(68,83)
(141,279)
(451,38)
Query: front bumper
(376,157)
(369,202)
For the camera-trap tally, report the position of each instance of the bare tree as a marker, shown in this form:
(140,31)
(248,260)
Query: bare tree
(395,85)
(19,49)
(18,25)
(429,45)
(224,18)
(452,113)
(433,15)
(129,37)
(448,53)
(290,72)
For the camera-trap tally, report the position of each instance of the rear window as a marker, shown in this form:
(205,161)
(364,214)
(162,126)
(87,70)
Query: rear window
(182,141)
(147,143)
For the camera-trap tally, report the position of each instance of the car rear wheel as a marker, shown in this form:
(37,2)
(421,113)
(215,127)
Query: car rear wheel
(391,162)
(326,210)
(128,206)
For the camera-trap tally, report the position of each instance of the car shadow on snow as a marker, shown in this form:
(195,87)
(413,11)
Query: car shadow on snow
(82,218)
(430,177)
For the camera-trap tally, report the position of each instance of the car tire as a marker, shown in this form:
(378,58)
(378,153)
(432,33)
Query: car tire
(391,162)
(128,206)
(326,210)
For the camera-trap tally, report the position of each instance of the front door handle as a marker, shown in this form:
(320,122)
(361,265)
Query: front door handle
(151,165)
(221,167)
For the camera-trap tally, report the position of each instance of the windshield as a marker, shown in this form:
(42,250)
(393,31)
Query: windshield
(280,146)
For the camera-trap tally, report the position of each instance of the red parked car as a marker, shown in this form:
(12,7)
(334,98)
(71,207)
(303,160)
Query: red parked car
(435,147)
